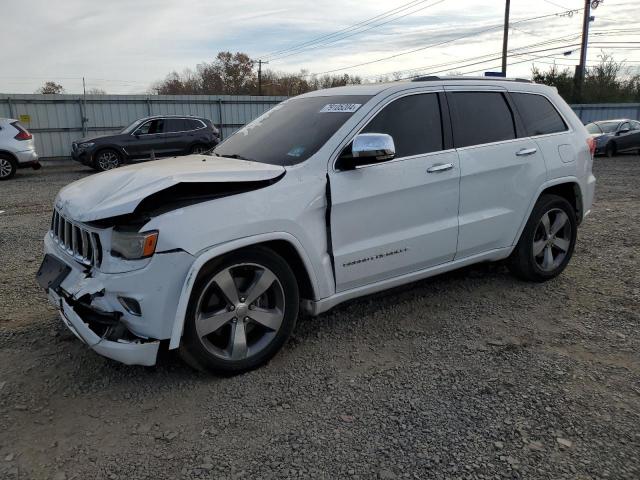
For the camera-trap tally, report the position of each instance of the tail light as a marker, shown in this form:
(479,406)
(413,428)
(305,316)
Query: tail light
(591,142)
(23,133)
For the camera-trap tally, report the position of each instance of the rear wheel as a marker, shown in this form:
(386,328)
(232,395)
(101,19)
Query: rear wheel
(8,167)
(242,311)
(107,160)
(610,150)
(547,242)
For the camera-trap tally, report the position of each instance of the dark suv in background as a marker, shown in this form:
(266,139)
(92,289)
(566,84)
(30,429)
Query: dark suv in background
(145,139)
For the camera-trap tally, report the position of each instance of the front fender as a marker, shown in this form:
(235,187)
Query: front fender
(209,254)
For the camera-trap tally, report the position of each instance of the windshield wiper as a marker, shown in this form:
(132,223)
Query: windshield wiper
(236,156)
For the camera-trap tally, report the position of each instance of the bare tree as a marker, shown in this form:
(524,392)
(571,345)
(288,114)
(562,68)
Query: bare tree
(235,74)
(96,91)
(51,88)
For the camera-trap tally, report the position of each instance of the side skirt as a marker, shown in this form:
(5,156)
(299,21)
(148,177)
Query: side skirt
(317,307)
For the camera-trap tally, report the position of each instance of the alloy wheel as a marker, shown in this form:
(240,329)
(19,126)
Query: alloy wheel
(240,311)
(552,240)
(198,150)
(108,160)
(5,168)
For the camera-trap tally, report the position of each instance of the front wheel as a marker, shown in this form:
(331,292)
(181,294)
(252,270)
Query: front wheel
(241,312)
(107,160)
(547,242)
(199,149)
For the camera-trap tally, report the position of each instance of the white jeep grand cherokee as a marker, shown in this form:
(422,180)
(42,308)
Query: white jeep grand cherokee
(329,196)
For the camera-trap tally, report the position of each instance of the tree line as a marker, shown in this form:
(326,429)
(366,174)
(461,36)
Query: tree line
(236,74)
(229,73)
(607,82)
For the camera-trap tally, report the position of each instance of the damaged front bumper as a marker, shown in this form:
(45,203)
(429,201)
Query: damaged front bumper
(90,303)
(129,352)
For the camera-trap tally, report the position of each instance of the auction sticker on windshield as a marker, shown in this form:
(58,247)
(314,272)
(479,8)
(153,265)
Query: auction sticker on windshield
(340,107)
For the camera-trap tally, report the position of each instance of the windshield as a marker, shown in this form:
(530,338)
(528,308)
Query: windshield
(132,127)
(291,131)
(593,128)
(608,127)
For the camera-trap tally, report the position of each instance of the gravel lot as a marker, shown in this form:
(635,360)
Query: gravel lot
(468,375)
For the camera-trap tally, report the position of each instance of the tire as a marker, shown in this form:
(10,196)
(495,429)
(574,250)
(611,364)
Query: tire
(610,150)
(235,326)
(545,246)
(107,159)
(198,149)
(8,167)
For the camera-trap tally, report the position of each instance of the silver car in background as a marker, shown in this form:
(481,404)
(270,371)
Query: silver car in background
(17,148)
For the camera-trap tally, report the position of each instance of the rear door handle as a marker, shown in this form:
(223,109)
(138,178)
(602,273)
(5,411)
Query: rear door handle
(440,167)
(526,151)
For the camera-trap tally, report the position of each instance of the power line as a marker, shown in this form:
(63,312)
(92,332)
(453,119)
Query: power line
(336,40)
(513,50)
(432,45)
(366,21)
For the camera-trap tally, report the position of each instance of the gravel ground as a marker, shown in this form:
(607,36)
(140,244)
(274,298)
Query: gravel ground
(467,375)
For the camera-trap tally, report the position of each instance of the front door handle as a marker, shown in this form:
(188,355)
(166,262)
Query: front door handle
(526,151)
(440,167)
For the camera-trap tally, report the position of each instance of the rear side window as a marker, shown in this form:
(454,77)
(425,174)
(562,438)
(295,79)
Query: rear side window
(175,125)
(540,117)
(480,117)
(413,122)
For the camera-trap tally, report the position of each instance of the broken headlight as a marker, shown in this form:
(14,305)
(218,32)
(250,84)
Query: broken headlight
(133,245)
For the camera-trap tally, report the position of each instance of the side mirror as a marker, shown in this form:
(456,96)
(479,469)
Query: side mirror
(624,130)
(368,149)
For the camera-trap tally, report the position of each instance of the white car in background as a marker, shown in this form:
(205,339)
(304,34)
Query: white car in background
(17,149)
(328,196)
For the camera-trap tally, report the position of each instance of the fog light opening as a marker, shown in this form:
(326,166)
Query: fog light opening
(131,305)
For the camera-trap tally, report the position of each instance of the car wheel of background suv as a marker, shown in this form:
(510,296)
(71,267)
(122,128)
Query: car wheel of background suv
(243,309)
(547,242)
(107,159)
(8,167)
(610,150)
(198,149)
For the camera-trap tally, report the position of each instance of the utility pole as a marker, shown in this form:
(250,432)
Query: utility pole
(84,108)
(580,69)
(505,37)
(260,62)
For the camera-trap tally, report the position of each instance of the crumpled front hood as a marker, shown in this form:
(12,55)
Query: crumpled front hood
(119,191)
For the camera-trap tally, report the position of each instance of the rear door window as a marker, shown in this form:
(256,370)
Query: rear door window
(539,115)
(480,117)
(175,125)
(413,122)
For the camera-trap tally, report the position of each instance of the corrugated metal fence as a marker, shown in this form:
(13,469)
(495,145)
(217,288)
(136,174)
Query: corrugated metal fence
(57,120)
(607,111)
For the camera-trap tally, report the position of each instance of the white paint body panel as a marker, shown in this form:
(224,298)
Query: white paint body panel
(427,223)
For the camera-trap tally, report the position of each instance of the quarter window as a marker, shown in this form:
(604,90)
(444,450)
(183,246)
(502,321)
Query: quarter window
(191,124)
(413,122)
(480,117)
(540,117)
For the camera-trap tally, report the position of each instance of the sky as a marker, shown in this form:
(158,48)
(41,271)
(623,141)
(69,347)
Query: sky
(123,47)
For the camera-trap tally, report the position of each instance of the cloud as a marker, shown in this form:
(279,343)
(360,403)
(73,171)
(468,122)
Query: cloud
(124,46)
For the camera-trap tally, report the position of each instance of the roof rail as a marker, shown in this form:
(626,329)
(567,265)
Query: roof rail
(434,78)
